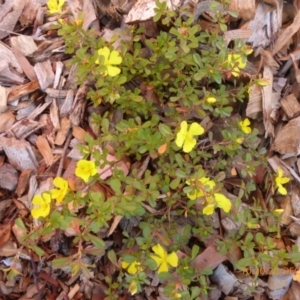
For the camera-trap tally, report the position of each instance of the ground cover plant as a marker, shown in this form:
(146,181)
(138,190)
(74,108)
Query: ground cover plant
(183,157)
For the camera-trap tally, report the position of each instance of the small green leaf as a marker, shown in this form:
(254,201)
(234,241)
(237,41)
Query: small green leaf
(195,251)
(113,257)
(20,224)
(38,250)
(174,183)
(115,184)
(59,262)
(197,59)
(96,241)
(164,129)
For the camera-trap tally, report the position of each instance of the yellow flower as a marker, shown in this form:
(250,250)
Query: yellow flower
(185,137)
(245,126)
(133,287)
(42,205)
(211,100)
(278,211)
(132,268)
(61,191)
(279,181)
(239,140)
(236,62)
(110,58)
(55,6)
(163,259)
(85,169)
(218,200)
(251,225)
(204,184)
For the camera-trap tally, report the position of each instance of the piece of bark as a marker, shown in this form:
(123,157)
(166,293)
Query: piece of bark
(54,115)
(55,93)
(45,50)
(267,102)
(79,104)
(278,285)
(208,259)
(79,134)
(24,43)
(25,111)
(8,76)
(3,99)
(62,133)
(241,34)
(24,63)
(8,177)
(7,119)
(58,72)
(23,182)
(143,10)
(291,106)
(7,55)
(67,104)
(38,111)
(20,154)
(285,37)
(254,106)
(287,140)
(22,90)
(264,26)
(10,12)
(24,128)
(30,11)
(48,128)
(44,74)
(45,150)
(245,9)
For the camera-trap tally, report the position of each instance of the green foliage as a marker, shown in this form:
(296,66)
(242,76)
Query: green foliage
(164,81)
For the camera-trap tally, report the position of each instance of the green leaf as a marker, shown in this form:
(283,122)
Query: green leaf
(96,241)
(174,183)
(113,257)
(164,129)
(197,59)
(120,80)
(38,250)
(115,184)
(195,251)
(20,224)
(146,232)
(59,262)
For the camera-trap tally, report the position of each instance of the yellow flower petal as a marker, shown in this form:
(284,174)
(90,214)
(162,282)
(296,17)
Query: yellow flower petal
(209,209)
(157,259)
(62,189)
(159,251)
(103,52)
(189,144)
(181,135)
(196,129)
(281,190)
(172,259)
(222,202)
(163,267)
(113,71)
(133,287)
(211,100)
(114,58)
(125,264)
